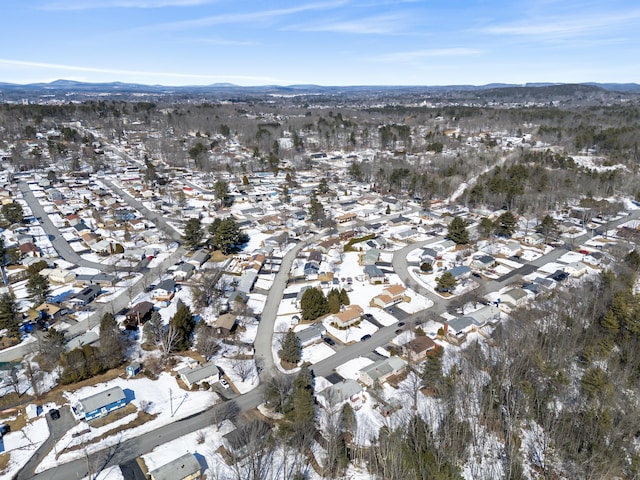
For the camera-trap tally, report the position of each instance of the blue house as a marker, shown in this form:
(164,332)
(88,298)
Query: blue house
(102,403)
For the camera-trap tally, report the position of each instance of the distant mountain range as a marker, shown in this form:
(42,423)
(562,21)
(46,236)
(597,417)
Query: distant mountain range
(495,89)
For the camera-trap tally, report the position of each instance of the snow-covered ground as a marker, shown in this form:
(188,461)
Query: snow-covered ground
(156,397)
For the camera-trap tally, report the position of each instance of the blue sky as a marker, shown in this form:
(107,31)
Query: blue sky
(324,42)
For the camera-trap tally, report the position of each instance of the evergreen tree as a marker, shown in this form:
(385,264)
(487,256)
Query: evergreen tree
(457,231)
(446,282)
(344,297)
(432,376)
(221,191)
(193,233)
(12,212)
(184,325)
(323,186)
(226,235)
(291,350)
(388,210)
(506,225)
(313,304)
(9,315)
(547,228)
(111,343)
(486,226)
(316,211)
(52,345)
(38,288)
(334,301)
(302,414)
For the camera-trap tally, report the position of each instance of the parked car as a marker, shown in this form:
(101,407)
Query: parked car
(365,337)
(401,324)
(55,414)
(224,383)
(398,331)
(328,341)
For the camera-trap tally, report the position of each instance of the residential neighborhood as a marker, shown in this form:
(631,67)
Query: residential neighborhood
(216,307)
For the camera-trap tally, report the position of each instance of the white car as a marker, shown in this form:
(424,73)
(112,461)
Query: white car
(224,383)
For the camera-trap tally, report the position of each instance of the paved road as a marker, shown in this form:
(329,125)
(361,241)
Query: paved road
(264,337)
(57,429)
(67,253)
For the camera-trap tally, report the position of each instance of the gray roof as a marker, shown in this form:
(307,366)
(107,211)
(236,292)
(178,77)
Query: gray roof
(461,323)
(516,293)
(85,339)
(488,313)
(459,270)
(200,256)
(246,281)
(310,333)
(102,399)
(373,271)
(199,373)
(342,391)
(384,367)
(177,469)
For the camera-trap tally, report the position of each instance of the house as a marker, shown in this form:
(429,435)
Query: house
(49,311)
(460,272)
(138,314)
(101,404)
(311,270)
(104,247)
(347,217)
(88,294)
(514,297)
(347,389)
(164,291)
(576,269)
(373,274)
(461,326)
(483,262)
(185,467)
(488,314)
(60,275)
(29,249)
(379,371)
(350,315)
(183,272)
(315,256)
(429,255)
(371,256)
(191,376)
(533,239)
(558,276)
(87,338)
(247,281)
(390,296)
(198,258)
(310,335)
(133,369)
(417,349)
(225,324)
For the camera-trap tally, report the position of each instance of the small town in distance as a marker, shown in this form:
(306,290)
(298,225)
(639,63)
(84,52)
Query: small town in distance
(358,284)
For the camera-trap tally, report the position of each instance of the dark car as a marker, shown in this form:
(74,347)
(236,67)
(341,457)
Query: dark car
(328,341)
(365,337)
(398,331)
(401,324)
(55,414)
(476,274)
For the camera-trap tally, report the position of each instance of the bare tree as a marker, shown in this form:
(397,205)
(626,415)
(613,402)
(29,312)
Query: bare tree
(243,368)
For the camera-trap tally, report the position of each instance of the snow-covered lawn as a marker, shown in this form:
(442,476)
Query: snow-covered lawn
(22,444)
(351,368)
(154,395)
(353,333)
(317,352)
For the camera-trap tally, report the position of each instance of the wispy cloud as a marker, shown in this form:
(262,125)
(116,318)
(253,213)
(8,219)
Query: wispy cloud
(141,4)
(429,53)
(563,28)
(218,41)
(379,24)
(132,73)
(234,18)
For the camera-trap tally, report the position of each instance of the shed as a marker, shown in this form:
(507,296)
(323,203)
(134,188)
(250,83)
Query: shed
(133,369)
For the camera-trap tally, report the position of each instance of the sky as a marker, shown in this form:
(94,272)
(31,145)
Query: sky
(322,42)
